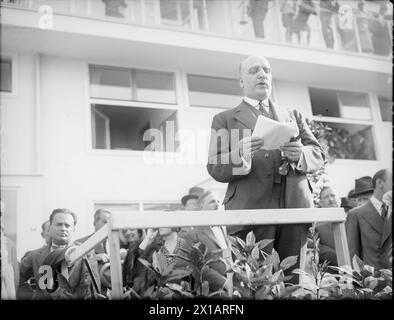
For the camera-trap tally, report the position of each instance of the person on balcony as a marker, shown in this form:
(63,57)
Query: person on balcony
(305,9)
(260,178)
(328,8)
(382,44)
(257,11)
(369,227)
(114,8)
(346,28)
(288,9)
(190,201)
(363,19)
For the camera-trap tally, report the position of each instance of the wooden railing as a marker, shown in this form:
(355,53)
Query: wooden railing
(158,219)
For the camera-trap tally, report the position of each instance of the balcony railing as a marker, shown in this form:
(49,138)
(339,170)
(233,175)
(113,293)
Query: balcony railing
(274,21)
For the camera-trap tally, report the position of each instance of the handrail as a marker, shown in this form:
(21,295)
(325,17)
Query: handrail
(150,219)
(76,252)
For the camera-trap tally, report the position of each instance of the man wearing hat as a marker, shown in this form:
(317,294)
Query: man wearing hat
(368,227)
(190,201)
(363,190)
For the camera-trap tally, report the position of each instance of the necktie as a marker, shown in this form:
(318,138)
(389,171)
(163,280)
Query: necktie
(384,211)
(264,110)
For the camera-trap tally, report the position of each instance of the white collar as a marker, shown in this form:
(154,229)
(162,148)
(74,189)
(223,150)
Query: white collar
(255,103)
(377,204)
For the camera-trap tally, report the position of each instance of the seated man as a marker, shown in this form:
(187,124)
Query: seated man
(213,238)
(328,199)
(44,263)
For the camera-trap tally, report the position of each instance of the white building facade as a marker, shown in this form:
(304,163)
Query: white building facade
(82,81)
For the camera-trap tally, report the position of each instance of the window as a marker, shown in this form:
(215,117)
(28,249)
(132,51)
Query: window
(349,116)
(125,128)
(129,121)
(386,109)
(340,104)
(207,91)
(131,84)
(175,12)
(6,75)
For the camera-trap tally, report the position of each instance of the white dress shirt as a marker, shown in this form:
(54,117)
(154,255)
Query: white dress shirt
(377,204)
(246,166)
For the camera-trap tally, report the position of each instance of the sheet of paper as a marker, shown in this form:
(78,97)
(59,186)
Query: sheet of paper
(274,133)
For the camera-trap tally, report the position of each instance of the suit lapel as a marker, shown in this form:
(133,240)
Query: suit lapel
(209,233)
(372,217)
(387,229)
(279,114)
(244,114)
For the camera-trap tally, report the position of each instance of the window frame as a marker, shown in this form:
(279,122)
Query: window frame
(14,72)
(372,101)
(136,104)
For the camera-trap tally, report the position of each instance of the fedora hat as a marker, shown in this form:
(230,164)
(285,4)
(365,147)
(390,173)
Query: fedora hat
(194,193)
(362,185)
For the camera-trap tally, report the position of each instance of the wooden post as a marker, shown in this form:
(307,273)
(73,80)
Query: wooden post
(302,257)
(116,268)
(341,247)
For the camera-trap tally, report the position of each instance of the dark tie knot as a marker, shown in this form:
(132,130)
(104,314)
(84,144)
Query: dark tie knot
(384,210)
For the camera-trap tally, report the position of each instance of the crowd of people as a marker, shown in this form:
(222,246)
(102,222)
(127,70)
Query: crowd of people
(372,27)
(368,226)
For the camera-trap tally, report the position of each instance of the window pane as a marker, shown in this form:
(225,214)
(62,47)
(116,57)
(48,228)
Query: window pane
(168,9)
(128,128)
(386,109)
(155,86)
(324,102)
(354,105)
(110,83)
(351,141)
(213,92)
(6,76)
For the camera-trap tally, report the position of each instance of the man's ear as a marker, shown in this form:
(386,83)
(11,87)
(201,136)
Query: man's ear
(241,82)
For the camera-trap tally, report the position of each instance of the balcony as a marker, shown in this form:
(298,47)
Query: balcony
(347,29)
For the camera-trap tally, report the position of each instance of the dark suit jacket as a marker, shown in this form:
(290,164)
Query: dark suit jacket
(254,190)
(369,236)
(216,272)
(327,244)
(30,264)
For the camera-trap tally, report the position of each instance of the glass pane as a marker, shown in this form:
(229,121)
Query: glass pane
(162,206)
(6,76)
(354,105)
(117,207)
(168,9)
(386,109)
(110,83)
(155,86)
(101,130)
(213,92)
(128,128)
(324,102)
(351,141)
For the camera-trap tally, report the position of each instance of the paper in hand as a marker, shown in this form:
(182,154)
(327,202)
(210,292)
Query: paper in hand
(274,133)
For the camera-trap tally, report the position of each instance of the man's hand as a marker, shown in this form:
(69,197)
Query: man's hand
(102,257)
(292,150)
(249,146)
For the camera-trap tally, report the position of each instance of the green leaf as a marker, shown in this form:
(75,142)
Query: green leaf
(205,288)
(358,264)
(250,239)
(241,242)
(255,254)
(278,276)
(175,275)
(274,259)
(148,265)
(288,262)
(263,243)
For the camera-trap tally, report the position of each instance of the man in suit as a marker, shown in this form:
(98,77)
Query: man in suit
(213,238)
(368,227)
(328,199)
(252,173)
